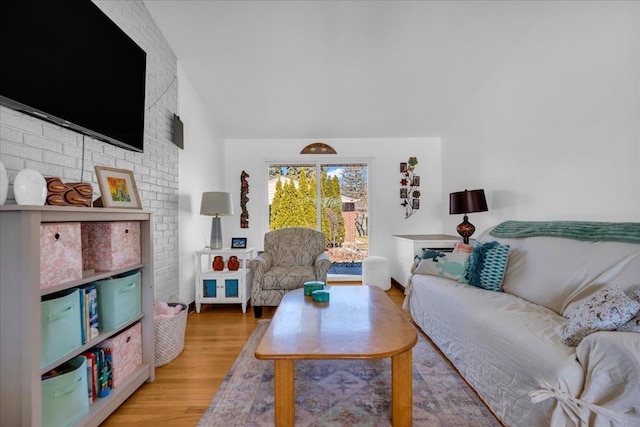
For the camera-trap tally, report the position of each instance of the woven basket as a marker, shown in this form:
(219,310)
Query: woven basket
(169,336)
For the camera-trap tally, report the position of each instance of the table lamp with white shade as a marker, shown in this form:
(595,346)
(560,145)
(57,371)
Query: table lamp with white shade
(216,204)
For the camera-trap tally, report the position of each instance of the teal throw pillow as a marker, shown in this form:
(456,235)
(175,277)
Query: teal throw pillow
(487,266)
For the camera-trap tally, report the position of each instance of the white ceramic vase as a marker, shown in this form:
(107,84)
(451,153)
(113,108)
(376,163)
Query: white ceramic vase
(4,184)
(30,188)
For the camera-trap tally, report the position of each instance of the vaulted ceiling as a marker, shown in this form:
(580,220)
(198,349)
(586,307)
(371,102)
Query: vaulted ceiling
(340,69)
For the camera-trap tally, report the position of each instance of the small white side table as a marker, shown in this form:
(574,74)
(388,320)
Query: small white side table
(225,286)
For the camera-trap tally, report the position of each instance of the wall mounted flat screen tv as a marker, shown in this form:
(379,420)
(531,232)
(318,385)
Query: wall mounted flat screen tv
(68,63)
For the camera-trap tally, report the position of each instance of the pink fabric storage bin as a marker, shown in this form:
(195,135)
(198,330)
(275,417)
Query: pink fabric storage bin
(126,352)
(110,245)
(60,253)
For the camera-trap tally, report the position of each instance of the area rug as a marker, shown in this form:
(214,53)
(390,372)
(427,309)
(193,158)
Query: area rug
(345,393)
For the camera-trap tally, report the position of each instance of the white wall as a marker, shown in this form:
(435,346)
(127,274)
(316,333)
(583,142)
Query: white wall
(385,156)
(555,132)
(201,169)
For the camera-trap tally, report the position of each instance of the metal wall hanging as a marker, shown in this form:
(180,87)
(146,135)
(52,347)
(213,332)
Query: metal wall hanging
(408,192)
(244,190)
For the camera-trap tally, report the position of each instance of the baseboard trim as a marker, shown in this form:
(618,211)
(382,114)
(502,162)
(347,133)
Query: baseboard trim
(397,284)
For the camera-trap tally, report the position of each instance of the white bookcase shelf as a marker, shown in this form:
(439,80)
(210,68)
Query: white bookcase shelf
(20,302)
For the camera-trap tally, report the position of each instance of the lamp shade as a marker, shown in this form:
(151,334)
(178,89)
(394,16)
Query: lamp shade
(216,203)
(467,201)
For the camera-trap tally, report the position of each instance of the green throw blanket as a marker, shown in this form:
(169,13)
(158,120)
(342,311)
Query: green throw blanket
(580,230)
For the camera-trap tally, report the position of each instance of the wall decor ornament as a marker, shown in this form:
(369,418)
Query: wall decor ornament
(409,193)
(244,190)
(318,148)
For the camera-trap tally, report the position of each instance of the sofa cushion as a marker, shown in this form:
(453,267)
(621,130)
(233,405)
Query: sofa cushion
(450,265)
(487,264)
(501,344)
(607,310)
(558,273)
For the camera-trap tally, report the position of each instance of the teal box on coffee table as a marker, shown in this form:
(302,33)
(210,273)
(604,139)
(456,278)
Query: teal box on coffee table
(320,296)
(309,287)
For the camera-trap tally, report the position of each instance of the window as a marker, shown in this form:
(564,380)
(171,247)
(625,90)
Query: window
(328,197)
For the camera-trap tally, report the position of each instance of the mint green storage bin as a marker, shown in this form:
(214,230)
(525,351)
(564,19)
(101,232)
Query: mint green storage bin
(65,397)
(119,300)
(60,325)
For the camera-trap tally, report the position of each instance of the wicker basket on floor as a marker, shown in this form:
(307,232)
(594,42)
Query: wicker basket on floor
(169,336)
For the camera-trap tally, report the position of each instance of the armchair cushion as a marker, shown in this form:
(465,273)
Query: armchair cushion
(288,278)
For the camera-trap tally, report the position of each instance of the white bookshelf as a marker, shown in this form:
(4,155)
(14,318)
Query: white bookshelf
(20,302)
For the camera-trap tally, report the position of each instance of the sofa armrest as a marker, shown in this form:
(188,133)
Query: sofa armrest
(260,265)
(322,264)
(611,361)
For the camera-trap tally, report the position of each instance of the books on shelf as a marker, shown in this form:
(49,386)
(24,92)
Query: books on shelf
(89,310)
(99,373)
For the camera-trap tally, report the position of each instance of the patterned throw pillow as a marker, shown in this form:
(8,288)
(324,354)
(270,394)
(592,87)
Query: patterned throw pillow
(607,310)
(449,265)
(633,325)
(462,247)
(487,265)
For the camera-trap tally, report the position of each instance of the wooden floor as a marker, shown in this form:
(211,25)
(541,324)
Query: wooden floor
(184,388)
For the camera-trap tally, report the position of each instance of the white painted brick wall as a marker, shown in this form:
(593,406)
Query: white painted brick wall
(27,142)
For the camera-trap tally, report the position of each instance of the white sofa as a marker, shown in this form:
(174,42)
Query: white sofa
(509,345)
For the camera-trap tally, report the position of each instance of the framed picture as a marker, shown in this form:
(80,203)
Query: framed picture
(403,193)
(117,188)
(403,167)
(415,204)
(238,243)
(416,181)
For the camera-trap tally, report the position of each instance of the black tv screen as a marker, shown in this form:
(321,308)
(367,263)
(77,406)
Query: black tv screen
(68,63)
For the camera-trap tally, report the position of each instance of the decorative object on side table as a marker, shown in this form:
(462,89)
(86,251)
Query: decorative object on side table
(233,264)
(238,242)
(71,194)
(117,188)
(216,204)
(218,263)
(408,192)
(464,202)
(244,190)
(30,188)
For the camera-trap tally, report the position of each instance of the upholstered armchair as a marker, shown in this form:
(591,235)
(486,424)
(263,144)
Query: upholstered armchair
(291,256)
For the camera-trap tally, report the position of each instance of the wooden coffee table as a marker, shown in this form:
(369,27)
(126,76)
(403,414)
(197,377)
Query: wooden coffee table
(358,322)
